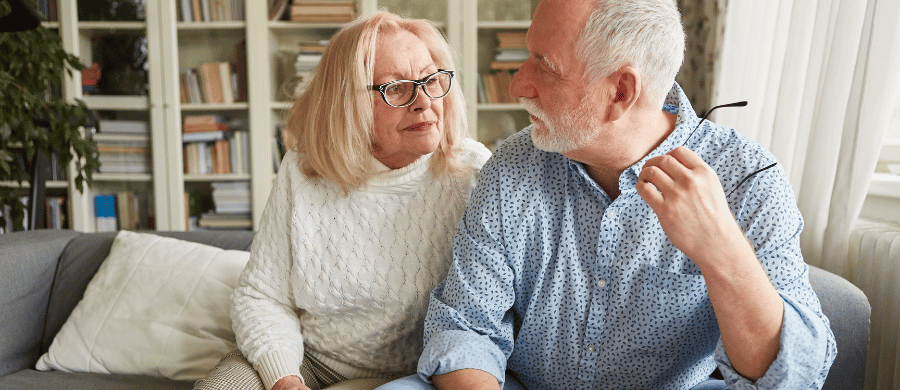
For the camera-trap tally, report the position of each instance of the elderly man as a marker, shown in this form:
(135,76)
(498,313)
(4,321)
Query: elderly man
(621,241)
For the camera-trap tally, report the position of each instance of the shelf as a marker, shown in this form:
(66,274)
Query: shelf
(111,102)
(223,25)
(113,137)
(112,26)
(25,184)
(214,107)
(123,177)
(210,177)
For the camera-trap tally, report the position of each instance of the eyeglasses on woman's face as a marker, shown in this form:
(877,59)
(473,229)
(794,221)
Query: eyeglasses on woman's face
(401,93)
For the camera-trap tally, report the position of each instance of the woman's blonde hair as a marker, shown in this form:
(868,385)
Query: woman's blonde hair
(331,124)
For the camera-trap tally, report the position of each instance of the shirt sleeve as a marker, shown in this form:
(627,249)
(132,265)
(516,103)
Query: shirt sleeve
(772,223)
(469,323)
(263,314)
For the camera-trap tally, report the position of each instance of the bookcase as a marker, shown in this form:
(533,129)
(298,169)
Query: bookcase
(267,50)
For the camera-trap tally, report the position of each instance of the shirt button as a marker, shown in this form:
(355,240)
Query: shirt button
(590,348)
(610,214)
(601,283)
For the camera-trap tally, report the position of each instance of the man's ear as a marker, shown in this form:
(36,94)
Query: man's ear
(627,89)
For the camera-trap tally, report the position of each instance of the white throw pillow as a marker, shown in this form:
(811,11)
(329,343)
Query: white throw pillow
(157,306)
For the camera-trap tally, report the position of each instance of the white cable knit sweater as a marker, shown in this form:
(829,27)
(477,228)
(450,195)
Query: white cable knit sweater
(349,276)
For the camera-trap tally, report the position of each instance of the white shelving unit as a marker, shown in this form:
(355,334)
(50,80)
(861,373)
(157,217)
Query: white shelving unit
(174,46)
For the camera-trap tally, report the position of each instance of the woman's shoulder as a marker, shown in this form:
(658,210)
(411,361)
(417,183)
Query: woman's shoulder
(473,154)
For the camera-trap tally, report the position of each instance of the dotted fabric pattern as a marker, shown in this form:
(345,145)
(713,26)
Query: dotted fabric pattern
(582,292)
(349,276)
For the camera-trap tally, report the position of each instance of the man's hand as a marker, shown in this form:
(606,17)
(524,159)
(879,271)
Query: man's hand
(466,379)
(686,195)
(292,382)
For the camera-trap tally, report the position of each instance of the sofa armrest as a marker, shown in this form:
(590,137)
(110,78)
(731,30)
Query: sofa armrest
(28,263)
(848,311)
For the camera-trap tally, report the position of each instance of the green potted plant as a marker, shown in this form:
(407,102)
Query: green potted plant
(34,116)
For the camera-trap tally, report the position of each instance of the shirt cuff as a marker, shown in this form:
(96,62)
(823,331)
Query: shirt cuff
(804,357)
(276,365)
(453,350)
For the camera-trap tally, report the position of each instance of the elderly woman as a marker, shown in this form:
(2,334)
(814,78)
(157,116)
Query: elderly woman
(359,226)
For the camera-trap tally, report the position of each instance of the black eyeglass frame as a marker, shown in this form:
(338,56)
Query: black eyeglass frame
(417,83)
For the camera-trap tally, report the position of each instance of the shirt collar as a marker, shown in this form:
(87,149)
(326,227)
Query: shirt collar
(676,102)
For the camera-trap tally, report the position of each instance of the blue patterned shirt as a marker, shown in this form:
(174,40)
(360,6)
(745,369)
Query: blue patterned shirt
(569,289)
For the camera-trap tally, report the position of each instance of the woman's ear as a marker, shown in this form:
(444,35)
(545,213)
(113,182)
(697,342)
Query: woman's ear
(627,82)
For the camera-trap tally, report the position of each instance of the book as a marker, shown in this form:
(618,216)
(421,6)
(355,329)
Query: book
(186,11)
(196,12)
(203,119)
(123,126)
(511,38)
(506,65)
(211,83)
(323,11)
(56,212)
(240,152)
(127,210)
(105,213)
(205,136)
(225,80)
(216,220)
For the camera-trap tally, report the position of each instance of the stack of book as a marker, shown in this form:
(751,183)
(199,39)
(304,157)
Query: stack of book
(213,145)
(231,202)
(511,54)
(123,146)
(307,60)
(118,211)
(213,83)
(323,10)
(211,10)
(511,50)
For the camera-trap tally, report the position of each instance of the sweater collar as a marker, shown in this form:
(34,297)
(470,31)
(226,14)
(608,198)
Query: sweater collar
(401,178)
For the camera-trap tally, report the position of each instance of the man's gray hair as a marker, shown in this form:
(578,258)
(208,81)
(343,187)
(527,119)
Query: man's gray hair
(646,34)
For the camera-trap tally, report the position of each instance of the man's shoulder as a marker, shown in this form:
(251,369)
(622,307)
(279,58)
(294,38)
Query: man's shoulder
(736,157)
(726,148)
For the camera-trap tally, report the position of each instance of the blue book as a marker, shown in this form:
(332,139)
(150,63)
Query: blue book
(105,212)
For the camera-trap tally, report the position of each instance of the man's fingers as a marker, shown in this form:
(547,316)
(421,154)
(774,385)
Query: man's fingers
(650,194)
(656,175)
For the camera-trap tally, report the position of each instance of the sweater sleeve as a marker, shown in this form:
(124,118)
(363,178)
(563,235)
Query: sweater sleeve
(263,314)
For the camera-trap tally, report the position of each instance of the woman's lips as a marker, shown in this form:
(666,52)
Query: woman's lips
(419,126)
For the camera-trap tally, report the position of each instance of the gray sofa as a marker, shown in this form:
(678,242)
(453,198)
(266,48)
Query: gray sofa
(43,275)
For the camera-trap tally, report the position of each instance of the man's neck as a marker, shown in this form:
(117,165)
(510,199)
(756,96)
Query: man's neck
(623,146)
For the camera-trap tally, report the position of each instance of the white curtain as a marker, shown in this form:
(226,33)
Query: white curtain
(820,77)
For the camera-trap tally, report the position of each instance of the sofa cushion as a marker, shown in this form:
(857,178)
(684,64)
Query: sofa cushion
(31,379)
(83,256)
(156,306)
(27,262)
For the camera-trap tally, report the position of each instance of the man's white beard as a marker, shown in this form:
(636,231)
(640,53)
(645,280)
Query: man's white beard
(565,134)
